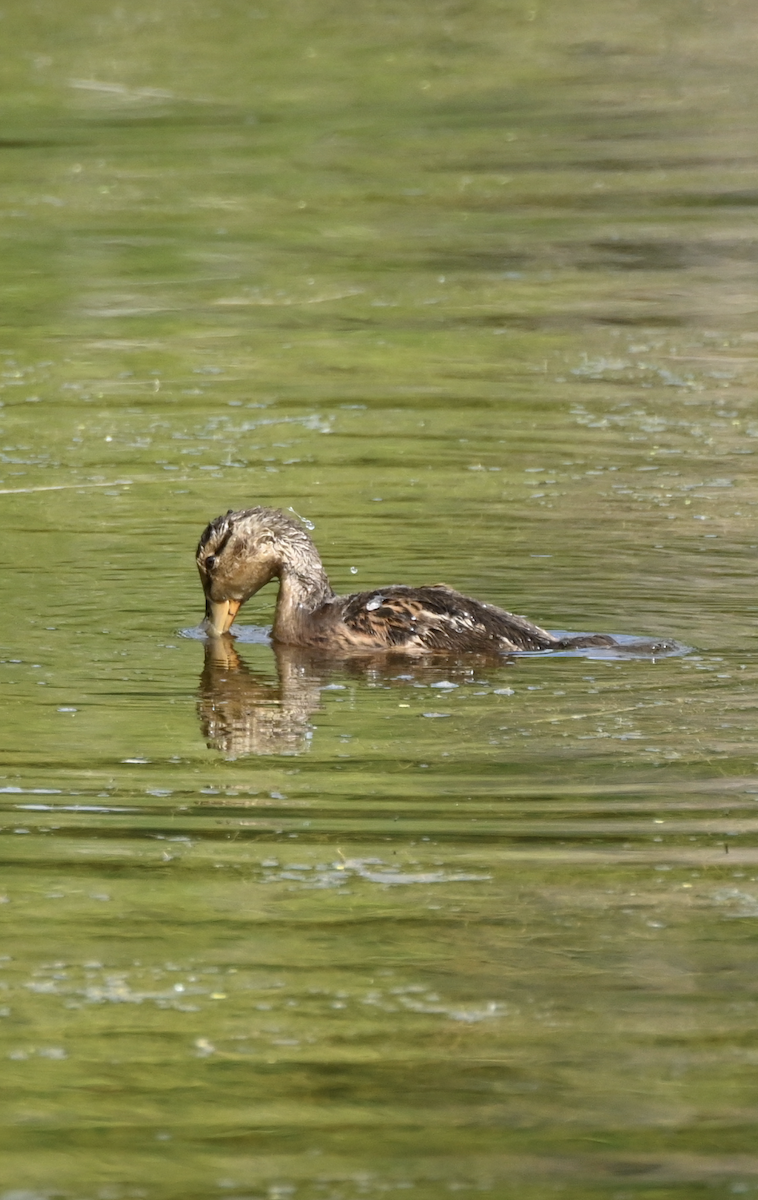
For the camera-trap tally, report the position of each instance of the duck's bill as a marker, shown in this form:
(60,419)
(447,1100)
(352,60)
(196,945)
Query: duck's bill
(219,615)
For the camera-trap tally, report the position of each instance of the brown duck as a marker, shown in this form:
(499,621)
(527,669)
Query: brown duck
(240,553)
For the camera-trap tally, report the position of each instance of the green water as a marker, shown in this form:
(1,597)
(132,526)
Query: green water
(472,287)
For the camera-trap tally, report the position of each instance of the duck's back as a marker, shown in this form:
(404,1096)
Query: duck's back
(425,618)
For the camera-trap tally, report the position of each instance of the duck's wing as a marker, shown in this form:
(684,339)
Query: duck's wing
(435,618)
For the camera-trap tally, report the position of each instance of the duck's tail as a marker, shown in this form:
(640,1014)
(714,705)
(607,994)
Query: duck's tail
(604,640)
(580,640)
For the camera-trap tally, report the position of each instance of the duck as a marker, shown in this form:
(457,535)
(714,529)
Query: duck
(241,551)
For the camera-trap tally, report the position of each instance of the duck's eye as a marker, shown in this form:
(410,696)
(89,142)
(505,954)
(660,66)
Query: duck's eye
(210,562)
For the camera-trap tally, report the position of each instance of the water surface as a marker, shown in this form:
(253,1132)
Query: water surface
(472,288)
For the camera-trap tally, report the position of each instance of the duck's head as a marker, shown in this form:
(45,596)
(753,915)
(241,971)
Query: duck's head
(240,553)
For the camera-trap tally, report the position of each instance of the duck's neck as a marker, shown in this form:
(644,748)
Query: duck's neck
(303,587)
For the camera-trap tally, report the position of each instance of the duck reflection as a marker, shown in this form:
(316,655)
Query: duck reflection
(248,710)
(244,710)
(253,710)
